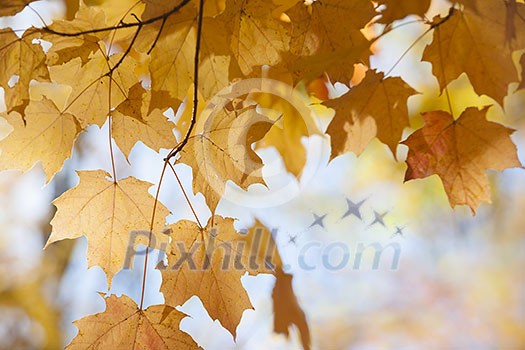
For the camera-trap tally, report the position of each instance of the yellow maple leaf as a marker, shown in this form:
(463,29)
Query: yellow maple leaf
(172,56)
(327,25)
(124,326)
(172,64)
(213,8)
(72,7)
(26,60)
(396,10)
(263,256)
(44,134)
(12,7)
(216,66)
(256,37)
(132,122)
(464,43)
(94,90)
(293,120)
(326,37)
(115,12)
(287,310)
(219,150)
(459,152)
(64,48)
(107,212)
(87,18)
(375,107)
(512,15)
(155,8)
(212,270)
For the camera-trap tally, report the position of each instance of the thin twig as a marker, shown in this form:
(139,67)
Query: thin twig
(181,145)
(112,69)
(390,29)
(110,137)
(414,43)
(158,35)
(186,196)
(121,25)
(166,160)
(145,270)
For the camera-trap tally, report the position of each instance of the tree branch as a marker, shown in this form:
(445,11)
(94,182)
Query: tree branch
(184,141)
(112,69)
(179,147)
(121,25)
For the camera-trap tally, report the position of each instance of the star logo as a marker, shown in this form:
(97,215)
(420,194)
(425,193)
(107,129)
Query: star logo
(318,220)
(399,231)
(379,219)
(353,209)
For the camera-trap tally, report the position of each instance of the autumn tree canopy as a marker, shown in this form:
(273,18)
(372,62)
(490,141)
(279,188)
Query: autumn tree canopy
(227,66)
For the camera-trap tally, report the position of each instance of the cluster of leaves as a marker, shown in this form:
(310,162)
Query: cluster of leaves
(126,63)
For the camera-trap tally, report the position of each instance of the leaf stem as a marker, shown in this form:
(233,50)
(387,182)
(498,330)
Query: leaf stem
(110,136)
(442,66)
(145,270)
(186,196)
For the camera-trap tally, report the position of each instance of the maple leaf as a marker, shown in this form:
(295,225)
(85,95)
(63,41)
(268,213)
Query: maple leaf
(172,63)
(219,150)
(216,67)
(327,25)
(72,6)
(326,37)
(124,326)
(213,8)
(155,8)
(396,10)
(291,123)
(45,134)
(65,48)
(256,37)
(131,122)
(285,5)
(205,275)
(172,56)
(463,42)
(106,212)
(12,7)
(96,86)
(513,16)
(459,152)
(20,57)
(287,310)
(263,255)
(125,11)
(87,18)
(264,258)
(375,107)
